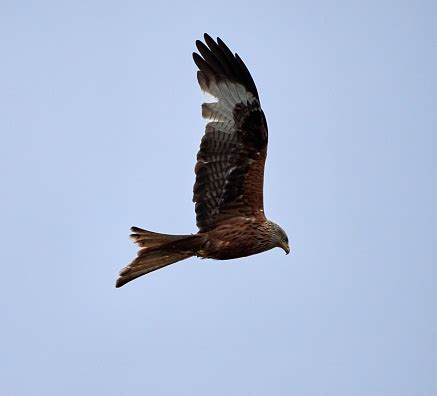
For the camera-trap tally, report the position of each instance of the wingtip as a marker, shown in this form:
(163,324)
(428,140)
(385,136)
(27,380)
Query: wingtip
(196,57)
(209,40)
(199,44)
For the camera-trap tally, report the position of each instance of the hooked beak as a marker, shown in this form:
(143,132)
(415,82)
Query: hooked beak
(284,245)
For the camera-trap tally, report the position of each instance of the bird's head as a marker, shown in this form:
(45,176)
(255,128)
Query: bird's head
(280,238)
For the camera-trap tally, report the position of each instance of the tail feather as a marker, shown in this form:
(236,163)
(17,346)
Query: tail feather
(151,239)
(158,251)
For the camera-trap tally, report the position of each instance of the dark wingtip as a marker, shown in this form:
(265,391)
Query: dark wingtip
(199,44)
(197,59)
(209,40)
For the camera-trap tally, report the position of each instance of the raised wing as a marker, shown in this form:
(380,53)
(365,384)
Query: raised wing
(230,162)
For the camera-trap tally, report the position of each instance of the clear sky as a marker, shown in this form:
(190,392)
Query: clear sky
(100,124)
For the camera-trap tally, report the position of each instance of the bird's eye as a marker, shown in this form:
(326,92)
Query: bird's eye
(285,239)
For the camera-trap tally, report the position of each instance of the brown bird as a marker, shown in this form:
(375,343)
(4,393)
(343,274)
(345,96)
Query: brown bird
(228,191)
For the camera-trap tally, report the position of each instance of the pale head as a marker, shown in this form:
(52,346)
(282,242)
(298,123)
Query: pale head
(279,237)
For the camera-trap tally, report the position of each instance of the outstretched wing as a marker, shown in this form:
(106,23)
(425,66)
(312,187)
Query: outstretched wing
(230,162)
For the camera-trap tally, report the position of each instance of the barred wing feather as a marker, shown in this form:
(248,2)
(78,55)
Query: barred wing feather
(231,158)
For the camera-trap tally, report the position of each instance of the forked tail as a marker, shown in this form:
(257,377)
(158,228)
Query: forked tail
(157,251)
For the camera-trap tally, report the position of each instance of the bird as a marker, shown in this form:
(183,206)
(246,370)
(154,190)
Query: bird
(229,174)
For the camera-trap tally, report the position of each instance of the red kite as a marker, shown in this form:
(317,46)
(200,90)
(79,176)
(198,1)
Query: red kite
(228,191)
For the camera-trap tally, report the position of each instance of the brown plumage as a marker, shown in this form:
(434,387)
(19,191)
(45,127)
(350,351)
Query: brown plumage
(228,192)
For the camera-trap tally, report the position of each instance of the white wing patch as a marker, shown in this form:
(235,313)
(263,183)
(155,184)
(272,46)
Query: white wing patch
(228,95)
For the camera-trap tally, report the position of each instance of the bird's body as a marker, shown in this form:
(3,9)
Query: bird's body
(228,191)
(236,239)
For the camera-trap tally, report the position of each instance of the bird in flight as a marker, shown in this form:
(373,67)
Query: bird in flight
(228,191)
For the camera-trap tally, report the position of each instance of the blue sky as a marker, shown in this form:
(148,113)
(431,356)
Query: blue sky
(100,127)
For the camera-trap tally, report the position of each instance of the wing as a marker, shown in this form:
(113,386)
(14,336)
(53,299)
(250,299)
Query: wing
(230,162)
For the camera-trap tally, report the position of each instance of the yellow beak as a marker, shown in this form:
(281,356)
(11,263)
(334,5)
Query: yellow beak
(285,246)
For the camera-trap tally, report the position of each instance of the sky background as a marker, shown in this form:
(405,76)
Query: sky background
(100,124)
